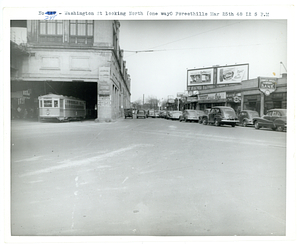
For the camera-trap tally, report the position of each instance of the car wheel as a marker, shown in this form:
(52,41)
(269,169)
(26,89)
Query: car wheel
(256,125)
(216,122)
(204,121)
(280,128)
(244,124)
(233,125)
(274,128)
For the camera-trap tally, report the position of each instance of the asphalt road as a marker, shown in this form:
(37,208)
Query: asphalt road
(146,177)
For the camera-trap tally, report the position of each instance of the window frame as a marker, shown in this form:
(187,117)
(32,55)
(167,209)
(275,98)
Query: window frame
(47,37)
(79,39)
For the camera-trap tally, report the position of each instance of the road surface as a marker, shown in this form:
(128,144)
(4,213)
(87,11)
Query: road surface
(146,177)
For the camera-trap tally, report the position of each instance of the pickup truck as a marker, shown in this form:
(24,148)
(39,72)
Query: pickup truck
(221,115)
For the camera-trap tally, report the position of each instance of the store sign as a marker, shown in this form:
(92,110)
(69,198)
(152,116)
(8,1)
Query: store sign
(212,96)
(267,85)
(234,97)
(192,99)
(27,92)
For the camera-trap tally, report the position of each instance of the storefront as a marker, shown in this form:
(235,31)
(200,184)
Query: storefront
(260,94)
(265,93)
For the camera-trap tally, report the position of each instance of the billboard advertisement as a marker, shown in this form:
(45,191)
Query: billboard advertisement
(200,77)
(232,74)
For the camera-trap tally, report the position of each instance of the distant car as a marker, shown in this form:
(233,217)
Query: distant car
(156,114)
(169,114)
(191,115)
(151,113)
(274,119)
(246,117)
(221,115)
(175,115)
(141,114)
(162,113)
(128,113)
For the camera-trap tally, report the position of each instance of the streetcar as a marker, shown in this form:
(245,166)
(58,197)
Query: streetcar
(62,108)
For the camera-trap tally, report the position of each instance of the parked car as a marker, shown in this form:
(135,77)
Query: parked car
(151,113)
(221,115)
(162,113)
(201,114)
(246,117)
(274,119)
(128,113)
(156,114)
(141,114)
(175,115)
(191,115)
(169,114)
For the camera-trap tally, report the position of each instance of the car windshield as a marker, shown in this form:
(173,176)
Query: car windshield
(228,111)
(283,112)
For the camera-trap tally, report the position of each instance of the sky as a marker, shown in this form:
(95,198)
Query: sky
(159,53)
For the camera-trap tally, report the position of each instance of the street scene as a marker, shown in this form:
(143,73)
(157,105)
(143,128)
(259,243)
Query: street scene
(148,128)
(149,177)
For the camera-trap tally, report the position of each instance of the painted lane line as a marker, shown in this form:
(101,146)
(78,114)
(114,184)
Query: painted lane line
(125,180)
(86,160)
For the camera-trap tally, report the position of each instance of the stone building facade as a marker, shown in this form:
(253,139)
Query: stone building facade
(80,58)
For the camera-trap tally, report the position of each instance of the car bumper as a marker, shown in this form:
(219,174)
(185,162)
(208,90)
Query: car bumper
(229,121)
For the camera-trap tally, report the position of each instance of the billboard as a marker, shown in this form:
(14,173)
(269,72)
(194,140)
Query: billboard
(232,74)
(198,77)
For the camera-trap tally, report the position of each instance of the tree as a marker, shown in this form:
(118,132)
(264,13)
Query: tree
(152,102)
(137,104)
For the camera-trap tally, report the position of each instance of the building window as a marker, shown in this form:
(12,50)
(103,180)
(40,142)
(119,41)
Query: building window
(81,32)
(51,31)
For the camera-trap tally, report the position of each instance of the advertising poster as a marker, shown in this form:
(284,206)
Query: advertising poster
(232,74)
(200,76)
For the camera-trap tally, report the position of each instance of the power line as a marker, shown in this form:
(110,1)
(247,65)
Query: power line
(193,48)
(203,32)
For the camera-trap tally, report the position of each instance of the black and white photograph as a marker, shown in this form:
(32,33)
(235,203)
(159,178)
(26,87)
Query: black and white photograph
(149,122)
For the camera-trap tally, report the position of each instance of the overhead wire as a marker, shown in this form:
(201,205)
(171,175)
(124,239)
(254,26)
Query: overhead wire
(203,32)
(175,49)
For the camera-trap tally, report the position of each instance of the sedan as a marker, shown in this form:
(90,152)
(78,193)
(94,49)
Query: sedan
(175,115)
(141,114)
(274,119)
(191,115)
(246,117)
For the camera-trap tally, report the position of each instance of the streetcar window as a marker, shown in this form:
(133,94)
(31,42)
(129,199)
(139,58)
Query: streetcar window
(47,103)
(55,103)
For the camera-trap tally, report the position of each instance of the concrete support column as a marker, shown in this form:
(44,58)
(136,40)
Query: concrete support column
(104,110)
(262,104)
(242,102)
